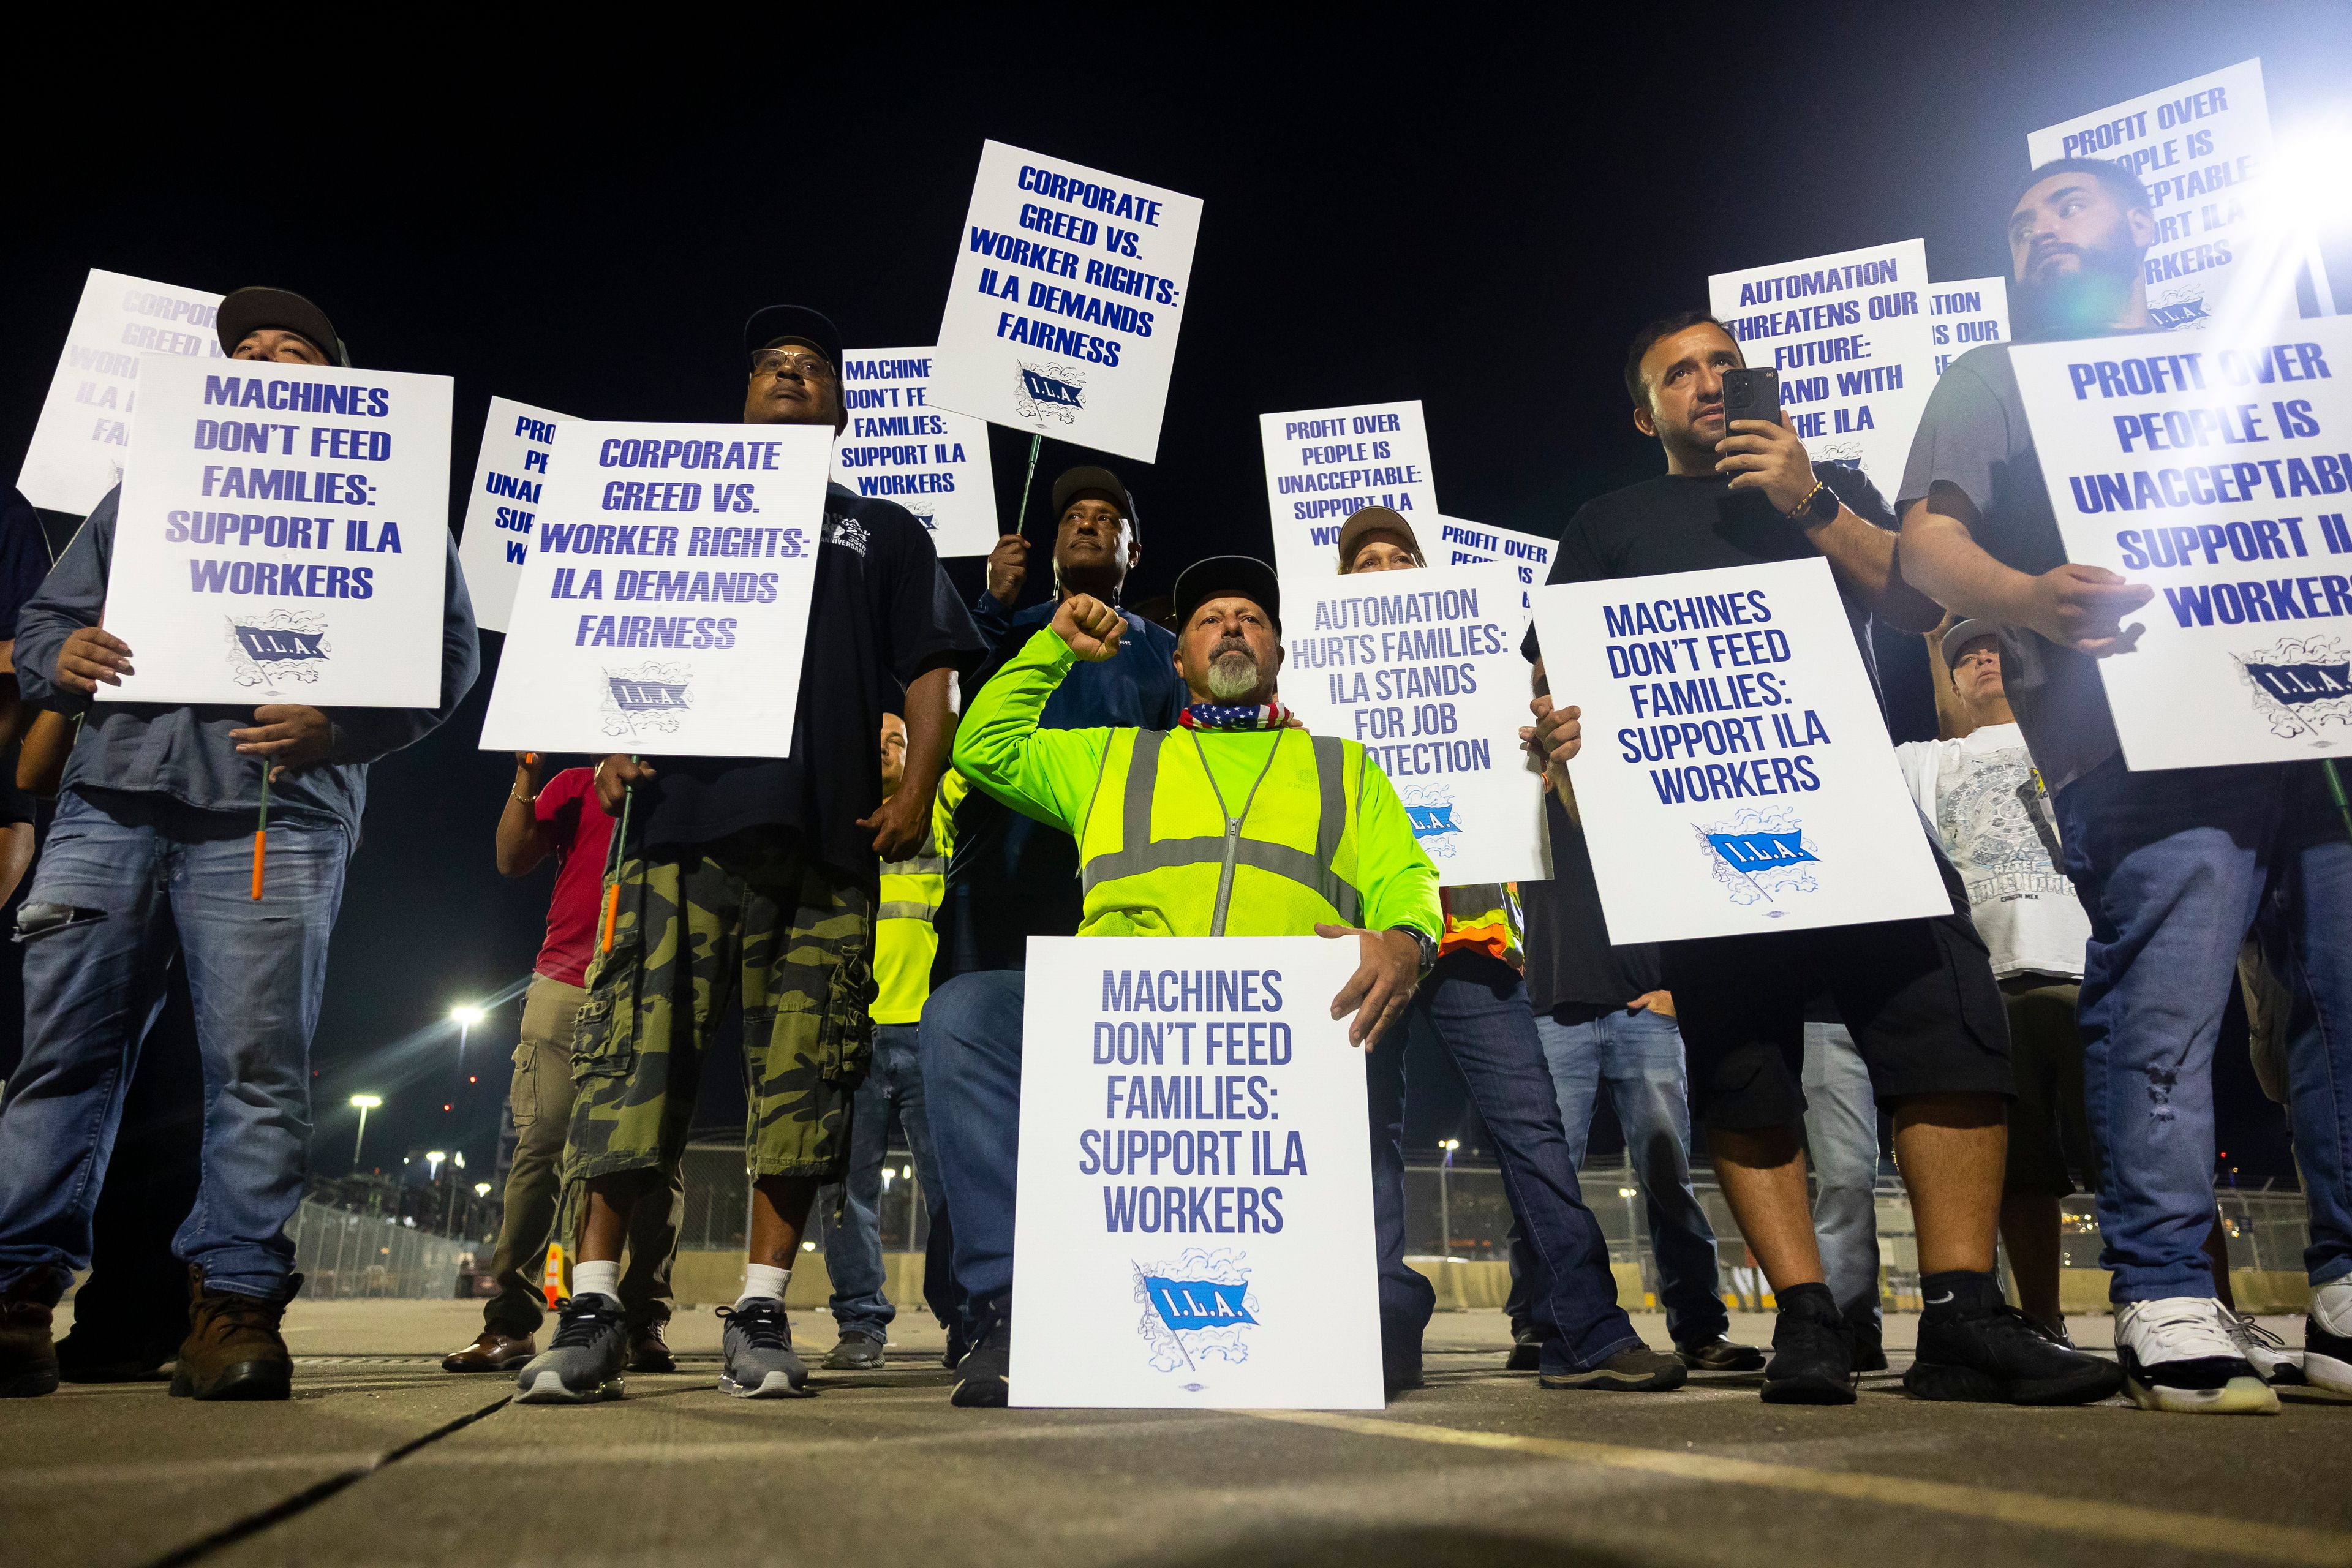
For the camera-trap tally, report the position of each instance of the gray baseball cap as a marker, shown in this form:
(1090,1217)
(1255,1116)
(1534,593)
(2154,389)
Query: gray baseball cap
(1966,632)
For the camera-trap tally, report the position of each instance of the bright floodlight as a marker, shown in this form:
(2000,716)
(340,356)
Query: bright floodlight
(481,1189)
(1449,1143)
(435,1155)
(367,1101)
(469,1016)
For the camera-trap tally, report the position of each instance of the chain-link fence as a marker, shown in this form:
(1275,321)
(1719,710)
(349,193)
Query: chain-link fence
(346,1256)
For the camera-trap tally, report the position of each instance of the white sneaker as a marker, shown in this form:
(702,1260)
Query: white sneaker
(2264,1351)
(2328,1338)
(2179,1353)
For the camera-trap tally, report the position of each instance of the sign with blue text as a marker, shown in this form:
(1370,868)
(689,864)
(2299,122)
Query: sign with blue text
(1850,335)
(899,445)
(283,536)
(83,437)
(1323,464)
(1069,287)
(1736,774)
(1195,1207)
(1964,314)
(502,508)
(664,606)
(1463,543)
(1423,668)
(2215,471)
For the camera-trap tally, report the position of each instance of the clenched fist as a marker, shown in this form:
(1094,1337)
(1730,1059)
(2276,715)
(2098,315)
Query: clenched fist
(1091,627)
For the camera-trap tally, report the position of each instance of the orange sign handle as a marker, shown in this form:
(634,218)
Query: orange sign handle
(261,845)
(612,903)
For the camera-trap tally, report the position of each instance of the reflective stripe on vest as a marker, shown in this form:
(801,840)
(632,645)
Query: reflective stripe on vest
(1140,853)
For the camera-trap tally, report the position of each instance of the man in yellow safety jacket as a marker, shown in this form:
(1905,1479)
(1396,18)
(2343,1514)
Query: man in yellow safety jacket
(1473,1008)
(1235,824)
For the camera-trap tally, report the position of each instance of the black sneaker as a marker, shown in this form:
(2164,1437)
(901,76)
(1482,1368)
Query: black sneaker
(980,1376)
(28,1358)
(1813,1355)
(90,1353)
(858,1350)
(1526,1350)
(1999,1355)
(1721,1353)
(1639,1370)
(958,1345)
(1862,1326)
(585,1362)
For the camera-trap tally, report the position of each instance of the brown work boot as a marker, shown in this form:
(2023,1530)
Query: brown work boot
(493,1350)
(649,1349)
(233,1349)
(28,1357)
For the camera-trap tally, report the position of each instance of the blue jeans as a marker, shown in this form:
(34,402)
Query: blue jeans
(2174,869)
(172,882)
(1841,1136)
(1639,1056)
(853,1249)
(1474,1007)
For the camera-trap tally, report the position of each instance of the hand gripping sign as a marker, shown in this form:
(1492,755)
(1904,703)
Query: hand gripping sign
(1736,774)
(1195,1204)
(2217,469)
(1070,286)
(283,536)
(663,607)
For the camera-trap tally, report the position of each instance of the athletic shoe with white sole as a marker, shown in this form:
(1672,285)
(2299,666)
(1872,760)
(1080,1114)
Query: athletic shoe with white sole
(760,1362)
(2178,1354)
(2328,1338)
(2269,1355)
(584,1363)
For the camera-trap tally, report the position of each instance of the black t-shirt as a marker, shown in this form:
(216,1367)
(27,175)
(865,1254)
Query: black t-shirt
(1570,961)
(880,614)
(1673,524)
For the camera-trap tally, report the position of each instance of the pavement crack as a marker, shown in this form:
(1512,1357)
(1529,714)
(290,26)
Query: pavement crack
(311,1495)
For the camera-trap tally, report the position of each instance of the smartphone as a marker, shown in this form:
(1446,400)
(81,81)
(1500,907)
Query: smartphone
(1751,394)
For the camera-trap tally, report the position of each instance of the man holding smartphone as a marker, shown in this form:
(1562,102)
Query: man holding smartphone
(1918,995)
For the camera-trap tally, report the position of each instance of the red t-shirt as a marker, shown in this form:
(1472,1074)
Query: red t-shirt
(584,838)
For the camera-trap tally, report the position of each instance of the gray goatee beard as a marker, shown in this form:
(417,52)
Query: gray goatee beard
(1232,677)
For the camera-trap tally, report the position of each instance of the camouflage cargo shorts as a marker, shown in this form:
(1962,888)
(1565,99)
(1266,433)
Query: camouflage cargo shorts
(751,917)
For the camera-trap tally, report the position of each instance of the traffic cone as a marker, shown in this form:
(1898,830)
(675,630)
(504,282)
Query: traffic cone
(557,1283)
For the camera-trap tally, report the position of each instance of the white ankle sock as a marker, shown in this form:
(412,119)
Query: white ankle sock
(2331,1304)
(596,1279)
(763,1282)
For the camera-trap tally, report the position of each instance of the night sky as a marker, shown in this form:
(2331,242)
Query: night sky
(1476,219)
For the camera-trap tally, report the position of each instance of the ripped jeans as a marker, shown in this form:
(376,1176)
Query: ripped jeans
(2174,869)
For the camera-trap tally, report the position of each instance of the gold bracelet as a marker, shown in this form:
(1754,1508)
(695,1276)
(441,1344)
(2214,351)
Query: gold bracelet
(1798,511)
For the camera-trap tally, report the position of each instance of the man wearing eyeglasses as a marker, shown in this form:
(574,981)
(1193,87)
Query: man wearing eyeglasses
(755,879)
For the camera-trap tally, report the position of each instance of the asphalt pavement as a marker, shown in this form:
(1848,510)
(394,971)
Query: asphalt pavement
(382,1458)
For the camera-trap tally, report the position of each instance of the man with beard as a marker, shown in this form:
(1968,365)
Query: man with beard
(1319,845)
(2173,868)
(1918,995)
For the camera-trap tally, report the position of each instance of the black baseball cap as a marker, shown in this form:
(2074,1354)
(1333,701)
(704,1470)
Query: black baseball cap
(1076,480)
(1228,577)
(248,311)
(814,328)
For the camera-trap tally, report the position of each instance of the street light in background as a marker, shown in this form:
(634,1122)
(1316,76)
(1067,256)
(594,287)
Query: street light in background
(465,1017)
(1446,1197)
(364,1103)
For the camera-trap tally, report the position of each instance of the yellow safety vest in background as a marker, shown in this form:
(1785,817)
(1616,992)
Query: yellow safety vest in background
(1484,916)
(905,939)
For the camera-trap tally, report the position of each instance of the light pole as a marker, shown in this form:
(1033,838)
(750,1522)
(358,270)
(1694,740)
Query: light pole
(465,1017)
(1446,1197)
(364,1103)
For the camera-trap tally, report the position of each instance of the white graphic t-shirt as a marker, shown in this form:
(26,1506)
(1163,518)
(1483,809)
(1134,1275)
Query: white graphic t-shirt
(1981,793)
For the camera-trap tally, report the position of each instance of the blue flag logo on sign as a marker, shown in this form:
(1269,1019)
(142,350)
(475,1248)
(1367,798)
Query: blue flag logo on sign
(634,695)
(264,645)
(2295,684)
(1428,821)
(1753,851)
(1046,389)
(1186,1304)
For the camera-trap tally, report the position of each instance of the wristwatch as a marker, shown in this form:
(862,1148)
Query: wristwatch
(1428,946)
(1820,505)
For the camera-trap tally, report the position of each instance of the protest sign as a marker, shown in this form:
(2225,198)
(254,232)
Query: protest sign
(1069,288)
(1736,774)
(2201,147)
(1195,1196)
(283,536)
(1461,544)
(1423,668)
(83,437)
(1964,314)
(663,607)
(1323,464)
(2214,469)
(1850,335)
(502,510)
(899,445)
